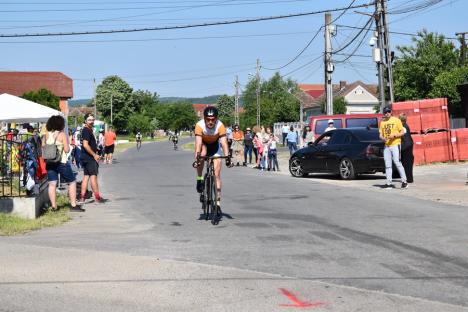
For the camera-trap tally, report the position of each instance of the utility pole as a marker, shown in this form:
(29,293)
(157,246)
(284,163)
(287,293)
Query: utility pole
(94,87)
(258,91)
(378,55)
(462,47)
(388,52)
(236,105)
(329,67)
(112,119)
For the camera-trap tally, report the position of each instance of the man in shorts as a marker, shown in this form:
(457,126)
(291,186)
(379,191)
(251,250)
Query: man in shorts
(210,140)
(89,160)
(109,139)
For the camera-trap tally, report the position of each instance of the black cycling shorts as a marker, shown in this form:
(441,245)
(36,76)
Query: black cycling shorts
(212,148)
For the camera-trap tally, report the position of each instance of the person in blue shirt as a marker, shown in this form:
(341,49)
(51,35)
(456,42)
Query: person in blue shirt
(292,138)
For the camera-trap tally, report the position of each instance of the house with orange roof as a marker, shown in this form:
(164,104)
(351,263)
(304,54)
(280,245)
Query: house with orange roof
(18,83)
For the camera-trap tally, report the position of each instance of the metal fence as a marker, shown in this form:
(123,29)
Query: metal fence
(13,176)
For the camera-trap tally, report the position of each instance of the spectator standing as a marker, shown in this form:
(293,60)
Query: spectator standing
(284,132)
(272,153)
(89,160)
(292,138)
(331,125)
(56,135)
(391,130)
(101,143)
(407,157)
(259,147)
(229,139)
(78,143)
(237,145)
(248,145)
(109,142)
(307,136)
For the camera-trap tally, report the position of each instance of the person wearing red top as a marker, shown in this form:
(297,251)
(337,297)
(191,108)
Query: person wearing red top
(109,142)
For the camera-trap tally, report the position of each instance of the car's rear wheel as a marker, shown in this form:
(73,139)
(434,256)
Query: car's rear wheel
(295,168)
(347,169)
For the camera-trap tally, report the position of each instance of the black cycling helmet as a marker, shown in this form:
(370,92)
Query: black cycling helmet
(210,111)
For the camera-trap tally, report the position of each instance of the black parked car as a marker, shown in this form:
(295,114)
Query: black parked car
(346,152)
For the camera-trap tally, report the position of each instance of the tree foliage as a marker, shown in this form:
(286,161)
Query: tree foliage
(226,106)
(277,101)
(339,105)
(418,66)
(139,122)
(445,85)
(44,97)
(115,90)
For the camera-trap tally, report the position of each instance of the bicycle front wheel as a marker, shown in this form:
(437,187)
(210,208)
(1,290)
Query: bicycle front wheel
(214,204)
(207,197)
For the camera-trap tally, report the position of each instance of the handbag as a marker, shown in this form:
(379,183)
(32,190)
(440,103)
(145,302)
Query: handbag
(51,153)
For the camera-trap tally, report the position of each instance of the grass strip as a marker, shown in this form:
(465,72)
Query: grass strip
(13,225)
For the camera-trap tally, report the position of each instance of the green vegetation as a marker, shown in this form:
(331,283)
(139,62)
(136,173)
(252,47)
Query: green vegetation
(189,147)
(277,101)
(428,69)
(44,97)
(339,105)
(226,106)
(13,225)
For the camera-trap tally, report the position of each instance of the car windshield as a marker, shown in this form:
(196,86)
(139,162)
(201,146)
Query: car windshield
(321,125)
(361,122)
(367,135)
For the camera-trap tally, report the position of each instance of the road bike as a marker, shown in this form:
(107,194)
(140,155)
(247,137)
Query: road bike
(209,195)
(138,144)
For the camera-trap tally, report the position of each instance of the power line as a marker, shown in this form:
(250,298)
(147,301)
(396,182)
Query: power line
(369,22)
(156,39)
(179,26)
(311,40)
(147,8)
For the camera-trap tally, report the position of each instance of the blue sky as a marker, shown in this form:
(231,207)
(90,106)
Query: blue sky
(199,61)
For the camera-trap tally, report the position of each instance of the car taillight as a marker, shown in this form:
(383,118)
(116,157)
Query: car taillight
(372,150)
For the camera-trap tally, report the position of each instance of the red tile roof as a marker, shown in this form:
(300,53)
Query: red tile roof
(315,93)
(18,83)
(312,87)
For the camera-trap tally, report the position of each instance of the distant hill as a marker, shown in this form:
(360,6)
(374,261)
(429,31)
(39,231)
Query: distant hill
(81,102)
(204,100)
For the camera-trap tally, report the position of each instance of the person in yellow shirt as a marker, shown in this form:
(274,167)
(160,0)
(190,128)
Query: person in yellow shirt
(391,130)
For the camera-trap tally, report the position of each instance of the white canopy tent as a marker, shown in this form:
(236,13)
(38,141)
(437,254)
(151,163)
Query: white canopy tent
(16,109)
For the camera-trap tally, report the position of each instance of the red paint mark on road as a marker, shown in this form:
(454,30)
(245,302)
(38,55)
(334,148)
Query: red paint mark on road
(298,303)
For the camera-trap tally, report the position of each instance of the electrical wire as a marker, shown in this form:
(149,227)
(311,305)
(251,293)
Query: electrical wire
(180,26)
(310,41)
(366,26)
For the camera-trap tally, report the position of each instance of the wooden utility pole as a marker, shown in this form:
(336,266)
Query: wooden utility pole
(236,105)
(462,47)
(258,91)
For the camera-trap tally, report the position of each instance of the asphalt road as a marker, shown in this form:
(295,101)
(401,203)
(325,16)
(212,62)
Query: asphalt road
(341,248)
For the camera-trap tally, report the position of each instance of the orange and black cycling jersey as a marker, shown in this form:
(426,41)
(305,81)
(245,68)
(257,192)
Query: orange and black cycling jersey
(210,135)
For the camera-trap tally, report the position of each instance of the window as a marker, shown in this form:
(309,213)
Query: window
(322,124)
(323,141)
(361,122)
(337,138)
(367,135)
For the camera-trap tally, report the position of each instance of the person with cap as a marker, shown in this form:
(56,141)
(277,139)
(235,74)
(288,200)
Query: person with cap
(78,143)
(391,131)
(331,125)
(248,145)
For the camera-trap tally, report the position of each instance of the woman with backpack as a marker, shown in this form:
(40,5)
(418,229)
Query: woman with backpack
(55,148)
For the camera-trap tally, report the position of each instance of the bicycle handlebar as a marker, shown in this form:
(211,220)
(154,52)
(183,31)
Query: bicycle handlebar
(196,163)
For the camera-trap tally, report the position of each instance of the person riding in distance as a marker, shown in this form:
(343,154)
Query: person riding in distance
(210,140)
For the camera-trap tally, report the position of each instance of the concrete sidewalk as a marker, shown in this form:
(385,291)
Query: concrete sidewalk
(442,182)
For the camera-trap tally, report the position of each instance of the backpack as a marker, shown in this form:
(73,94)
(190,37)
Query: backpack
(51,153)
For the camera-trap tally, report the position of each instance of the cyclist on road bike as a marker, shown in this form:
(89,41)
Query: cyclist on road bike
(138,139)
(175,139)
(210,140)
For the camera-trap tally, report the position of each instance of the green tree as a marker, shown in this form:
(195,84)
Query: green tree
(445,85)
(44,97)
(115,90)
(226,106)
(339,105)
(181,116)
(277,101)
(144,102)
(416,69)
(138,122)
